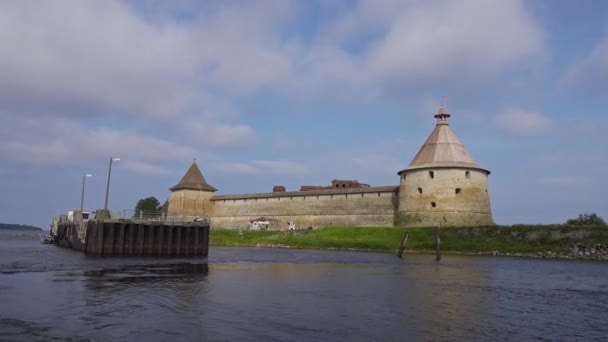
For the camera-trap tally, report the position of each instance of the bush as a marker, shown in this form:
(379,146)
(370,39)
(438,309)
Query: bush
(587,220)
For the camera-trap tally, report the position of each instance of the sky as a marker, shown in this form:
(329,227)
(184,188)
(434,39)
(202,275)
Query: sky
(263,93)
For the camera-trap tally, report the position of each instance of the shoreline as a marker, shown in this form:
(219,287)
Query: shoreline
(539,255)
(538,242)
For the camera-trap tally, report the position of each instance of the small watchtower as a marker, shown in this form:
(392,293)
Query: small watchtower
(444,185)
(190,198)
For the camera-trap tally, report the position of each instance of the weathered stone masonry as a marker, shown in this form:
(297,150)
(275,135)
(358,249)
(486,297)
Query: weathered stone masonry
(345,207)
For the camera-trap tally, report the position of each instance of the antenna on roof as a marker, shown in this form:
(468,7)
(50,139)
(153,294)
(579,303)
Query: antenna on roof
(442,115)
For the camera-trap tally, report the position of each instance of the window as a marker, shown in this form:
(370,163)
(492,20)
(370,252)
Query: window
(468,174)
(433,204)
(432,174)
(420,191)
(458,191)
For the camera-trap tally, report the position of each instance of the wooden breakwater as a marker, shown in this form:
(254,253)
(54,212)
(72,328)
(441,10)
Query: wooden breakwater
(135,238)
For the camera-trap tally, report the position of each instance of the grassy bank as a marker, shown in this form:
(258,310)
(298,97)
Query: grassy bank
(512,240)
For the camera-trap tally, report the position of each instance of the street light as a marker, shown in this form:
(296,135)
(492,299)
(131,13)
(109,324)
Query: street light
(84,176)
(105,206)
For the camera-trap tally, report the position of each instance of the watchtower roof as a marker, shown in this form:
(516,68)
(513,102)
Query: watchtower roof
(443,149)
(193,180)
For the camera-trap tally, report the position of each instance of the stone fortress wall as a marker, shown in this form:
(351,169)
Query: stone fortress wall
(373,206)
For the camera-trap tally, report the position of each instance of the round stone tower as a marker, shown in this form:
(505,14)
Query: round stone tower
(444,185)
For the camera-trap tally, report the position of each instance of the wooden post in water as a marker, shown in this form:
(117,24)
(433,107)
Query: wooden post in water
(140,239)
(402,245)
(131,247)
(120,243)
(437,243)
(100,237)
(161,240)
(170,230)
(178,240)
(197,242)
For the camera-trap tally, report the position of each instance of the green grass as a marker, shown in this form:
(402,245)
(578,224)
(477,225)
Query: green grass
(523,239)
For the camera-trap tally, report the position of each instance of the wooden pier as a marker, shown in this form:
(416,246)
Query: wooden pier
(116,238)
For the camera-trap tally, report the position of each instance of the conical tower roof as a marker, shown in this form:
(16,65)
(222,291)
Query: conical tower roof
(193,180)
(443,149)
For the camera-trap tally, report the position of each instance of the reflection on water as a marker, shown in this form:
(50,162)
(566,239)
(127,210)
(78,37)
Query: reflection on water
(260,294)
(134,274)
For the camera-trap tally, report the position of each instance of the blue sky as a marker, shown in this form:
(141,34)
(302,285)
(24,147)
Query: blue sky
(299,92)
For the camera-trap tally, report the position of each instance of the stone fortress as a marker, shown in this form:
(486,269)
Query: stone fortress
(442,186)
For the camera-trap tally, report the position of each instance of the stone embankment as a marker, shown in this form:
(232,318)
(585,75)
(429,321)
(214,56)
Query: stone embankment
(589,251)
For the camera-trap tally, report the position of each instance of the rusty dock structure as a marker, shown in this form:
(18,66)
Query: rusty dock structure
(126,238)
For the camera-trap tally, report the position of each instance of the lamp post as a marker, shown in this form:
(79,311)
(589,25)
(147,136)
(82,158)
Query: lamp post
(84,176)
(105,206)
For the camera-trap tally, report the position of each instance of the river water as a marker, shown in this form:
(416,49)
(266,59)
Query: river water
(49,293)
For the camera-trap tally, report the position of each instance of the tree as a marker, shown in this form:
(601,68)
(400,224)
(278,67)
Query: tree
(587,220)
(149,205)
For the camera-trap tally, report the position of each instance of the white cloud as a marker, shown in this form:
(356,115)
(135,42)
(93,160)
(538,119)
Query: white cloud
(590,72)
(269,167)
(418,46)
(133,145)
(208,132)
(85,58)
(57,142)
(69,65)
(234,168)
(564,181)
(144,168)
(280,167)
(522,123)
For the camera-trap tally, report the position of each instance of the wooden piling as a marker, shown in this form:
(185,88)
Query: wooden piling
(127,238)
(161,241)
(100,236)
(205,242)
(131,245)
(186,242)
(140,240)
(197,239)
(402,245)
(437,243)
(150,241)
(178,241)
(120,242)
(169,249)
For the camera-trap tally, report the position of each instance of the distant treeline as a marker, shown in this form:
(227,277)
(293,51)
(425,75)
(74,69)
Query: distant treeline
(8,226)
